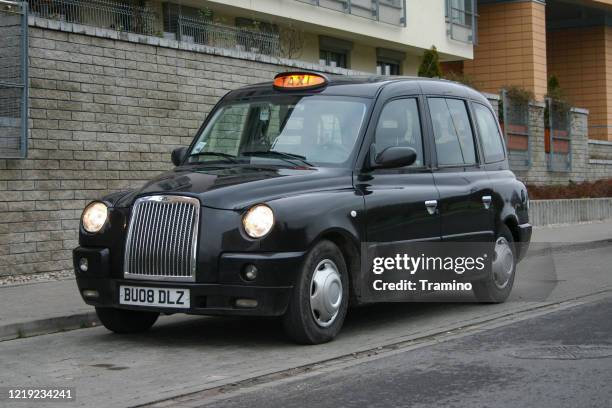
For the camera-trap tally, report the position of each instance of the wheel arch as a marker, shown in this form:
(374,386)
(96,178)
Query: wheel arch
(350,249)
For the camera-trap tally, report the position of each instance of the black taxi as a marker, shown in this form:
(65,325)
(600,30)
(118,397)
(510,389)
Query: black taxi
(267,211)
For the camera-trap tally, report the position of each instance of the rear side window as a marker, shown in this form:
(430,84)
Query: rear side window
(399,125)
(492,144)
(452,132)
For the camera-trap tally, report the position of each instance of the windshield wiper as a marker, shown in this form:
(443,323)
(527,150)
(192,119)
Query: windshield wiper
(282,155)
(225,156)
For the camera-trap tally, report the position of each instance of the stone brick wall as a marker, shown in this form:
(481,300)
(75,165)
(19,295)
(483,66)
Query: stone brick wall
(590,159)
(104,116)
(107,108)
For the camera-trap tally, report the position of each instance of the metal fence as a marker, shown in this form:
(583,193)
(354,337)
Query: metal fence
(116,15)
(386,11)
(216,35)
(517,131)
(13,79)
(558,142)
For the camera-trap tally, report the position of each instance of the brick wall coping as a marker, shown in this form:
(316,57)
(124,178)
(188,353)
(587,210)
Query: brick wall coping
(491,96)
(581,111)
(181,45)
(600,142)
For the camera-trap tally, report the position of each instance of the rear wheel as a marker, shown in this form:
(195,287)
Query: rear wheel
(319,302)
(497,286)
(126,321)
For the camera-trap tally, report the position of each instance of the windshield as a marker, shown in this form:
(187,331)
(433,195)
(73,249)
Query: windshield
(285,130)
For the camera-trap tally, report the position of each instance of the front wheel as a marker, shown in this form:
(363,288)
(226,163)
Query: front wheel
(319,302)
(124,321)
(497,286)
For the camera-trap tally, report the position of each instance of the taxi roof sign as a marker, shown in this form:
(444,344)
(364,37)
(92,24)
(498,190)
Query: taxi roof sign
(298,80)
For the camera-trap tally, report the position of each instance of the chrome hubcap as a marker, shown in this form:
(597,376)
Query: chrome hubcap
(503,263)
(325,293)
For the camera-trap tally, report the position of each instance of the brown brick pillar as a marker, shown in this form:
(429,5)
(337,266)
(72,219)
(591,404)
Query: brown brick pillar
(581,58)
(511,47)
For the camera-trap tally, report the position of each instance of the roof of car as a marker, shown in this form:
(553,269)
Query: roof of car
(369,86)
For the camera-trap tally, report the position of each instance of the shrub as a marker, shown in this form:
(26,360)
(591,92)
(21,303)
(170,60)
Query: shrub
(430,65)
(595,189)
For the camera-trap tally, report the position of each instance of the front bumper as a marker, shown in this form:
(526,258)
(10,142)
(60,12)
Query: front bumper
(271,290)
(206,298)
(522,246)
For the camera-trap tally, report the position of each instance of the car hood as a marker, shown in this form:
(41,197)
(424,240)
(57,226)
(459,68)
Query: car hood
(238,187)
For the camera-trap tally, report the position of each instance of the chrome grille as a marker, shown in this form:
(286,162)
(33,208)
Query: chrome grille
(162,239)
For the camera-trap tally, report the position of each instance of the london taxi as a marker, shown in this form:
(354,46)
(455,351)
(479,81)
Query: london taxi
(265,212)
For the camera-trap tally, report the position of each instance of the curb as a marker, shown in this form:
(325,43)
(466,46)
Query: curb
(48,326)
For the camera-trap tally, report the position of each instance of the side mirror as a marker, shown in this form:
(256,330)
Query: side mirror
(178,155)
(392,157)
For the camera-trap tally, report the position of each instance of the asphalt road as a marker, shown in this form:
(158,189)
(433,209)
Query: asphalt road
(562,359)
(182,356)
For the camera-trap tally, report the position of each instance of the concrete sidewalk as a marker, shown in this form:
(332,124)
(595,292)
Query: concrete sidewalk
(47,307)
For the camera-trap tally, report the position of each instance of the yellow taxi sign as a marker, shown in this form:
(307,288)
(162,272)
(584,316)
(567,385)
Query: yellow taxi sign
(298,80)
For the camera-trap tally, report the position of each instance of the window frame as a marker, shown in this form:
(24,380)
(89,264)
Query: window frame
(477,148)
(479,137)
(371,136)
(387,61)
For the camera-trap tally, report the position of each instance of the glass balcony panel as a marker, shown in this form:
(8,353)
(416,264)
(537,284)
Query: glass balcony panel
(338,5)
(392,11)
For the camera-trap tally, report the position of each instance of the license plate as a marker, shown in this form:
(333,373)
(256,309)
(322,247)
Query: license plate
(161,297)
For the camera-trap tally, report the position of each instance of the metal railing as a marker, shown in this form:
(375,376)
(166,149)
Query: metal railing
(13,79)
(517,131)
(204,32)
(116,15)
(385,11)
(558,142)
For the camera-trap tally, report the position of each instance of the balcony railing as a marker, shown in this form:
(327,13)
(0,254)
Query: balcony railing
(221,36)
(127,17)
(116,15)
(386,11)
(461,20)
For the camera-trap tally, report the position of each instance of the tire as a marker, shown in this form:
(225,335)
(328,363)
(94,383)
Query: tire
(317,307)
(123,321)
(497,286)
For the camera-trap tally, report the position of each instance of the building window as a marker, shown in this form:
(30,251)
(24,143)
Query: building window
(334,52)
(387,68)
(332,59)
(461,20)
(389,62)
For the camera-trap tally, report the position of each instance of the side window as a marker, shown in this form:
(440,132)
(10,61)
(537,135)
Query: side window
(489,134)
(452,132)
(399,125)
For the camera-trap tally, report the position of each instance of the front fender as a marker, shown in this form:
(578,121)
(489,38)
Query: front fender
(304,219)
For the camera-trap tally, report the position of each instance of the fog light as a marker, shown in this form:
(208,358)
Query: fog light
(83,264)
(249,272)
(250,303)
(91,294)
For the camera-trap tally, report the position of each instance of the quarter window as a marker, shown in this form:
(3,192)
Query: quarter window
(452,132)
(399,125)
(492,145)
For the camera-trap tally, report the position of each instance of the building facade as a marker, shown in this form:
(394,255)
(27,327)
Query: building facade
(525,42)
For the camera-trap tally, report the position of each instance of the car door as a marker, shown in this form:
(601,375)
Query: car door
(395,199)
(464,186)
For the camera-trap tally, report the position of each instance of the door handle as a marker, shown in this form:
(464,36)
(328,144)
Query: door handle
(486,200)
(431,206)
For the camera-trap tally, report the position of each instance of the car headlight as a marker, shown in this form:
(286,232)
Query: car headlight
(258,221)
(94,217)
